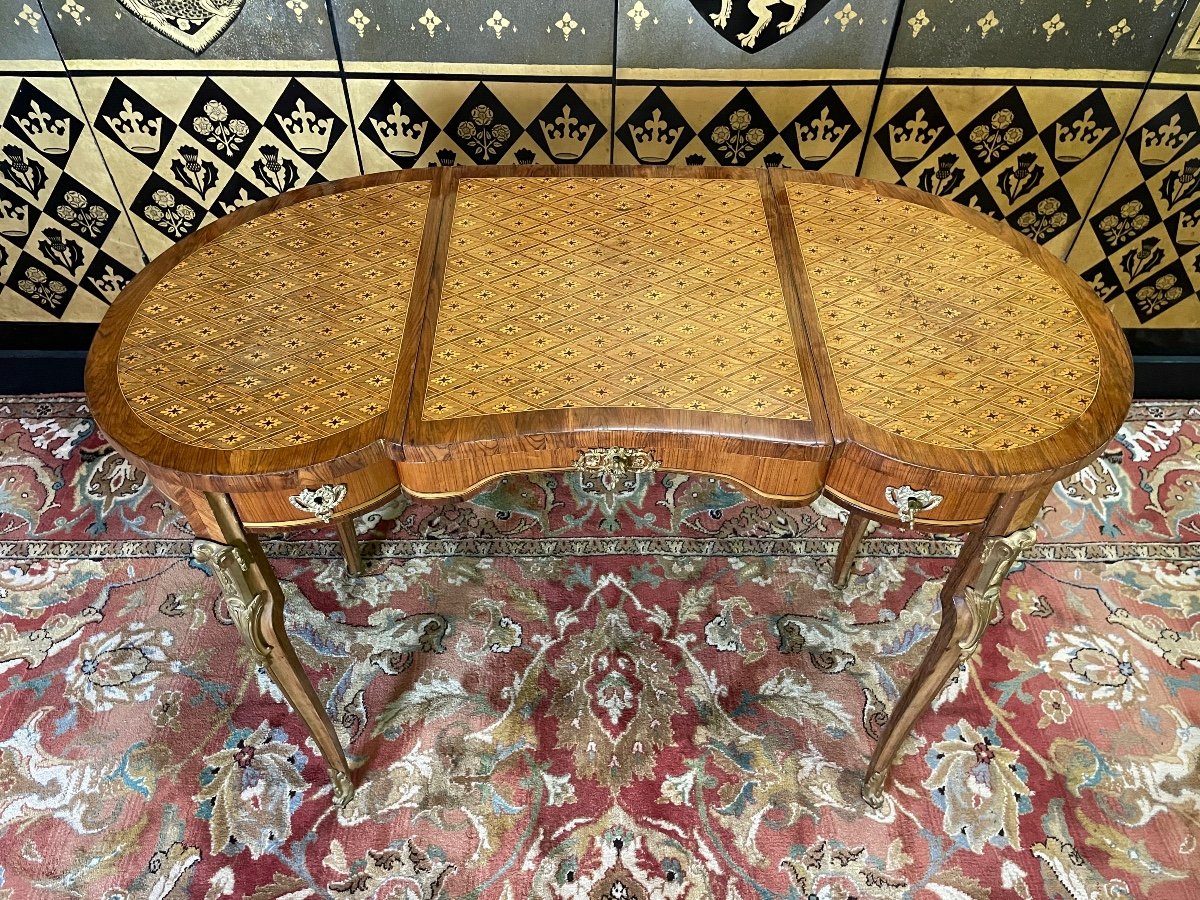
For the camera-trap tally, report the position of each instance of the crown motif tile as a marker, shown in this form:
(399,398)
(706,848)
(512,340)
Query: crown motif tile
(612,292)
(284,330)
(936,331)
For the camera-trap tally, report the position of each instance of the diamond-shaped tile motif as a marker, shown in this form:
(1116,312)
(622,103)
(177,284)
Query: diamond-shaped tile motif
(739,132)
(304,307)
(937,332)
(615,292)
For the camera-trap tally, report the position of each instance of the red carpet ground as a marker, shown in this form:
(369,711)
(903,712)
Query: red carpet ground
(560,692)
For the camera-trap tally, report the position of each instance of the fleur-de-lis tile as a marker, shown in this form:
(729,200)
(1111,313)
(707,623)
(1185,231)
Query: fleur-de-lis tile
(1080,132)
(917,129)
(821,130)
(42,123)
(566,128)
(305,122)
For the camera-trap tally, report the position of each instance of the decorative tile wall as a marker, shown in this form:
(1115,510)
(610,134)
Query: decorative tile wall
(718,82)
(129,124)
(1140,246)
(66,244)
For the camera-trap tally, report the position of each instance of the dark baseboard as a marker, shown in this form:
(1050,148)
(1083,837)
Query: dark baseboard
(37,358)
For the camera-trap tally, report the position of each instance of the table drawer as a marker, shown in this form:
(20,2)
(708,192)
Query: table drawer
(355,492)
(950,501)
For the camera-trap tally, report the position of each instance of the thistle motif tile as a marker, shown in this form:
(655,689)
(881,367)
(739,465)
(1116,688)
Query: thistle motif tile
(66,245)
(406,123)
(186,150)
(814,128)
(936,332)
(284,330)
(1030,155)
(547,304)
(1140,250)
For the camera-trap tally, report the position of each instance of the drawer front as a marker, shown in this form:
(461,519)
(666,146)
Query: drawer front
(910,495)
(315,502)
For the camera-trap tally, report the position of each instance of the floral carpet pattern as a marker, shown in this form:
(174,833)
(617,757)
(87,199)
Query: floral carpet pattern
(556,690)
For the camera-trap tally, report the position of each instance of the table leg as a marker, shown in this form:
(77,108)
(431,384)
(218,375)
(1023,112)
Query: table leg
(968,600)
(856,527)
(351,548)
(255,602)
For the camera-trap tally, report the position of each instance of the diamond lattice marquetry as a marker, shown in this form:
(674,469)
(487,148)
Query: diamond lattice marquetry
(612,292)
(936,331)
(285,329)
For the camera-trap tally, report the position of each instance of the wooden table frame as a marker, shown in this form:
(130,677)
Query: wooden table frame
(994,496)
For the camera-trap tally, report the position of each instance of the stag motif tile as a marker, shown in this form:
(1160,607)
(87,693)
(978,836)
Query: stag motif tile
(936,331)
(612,292)
(284,330)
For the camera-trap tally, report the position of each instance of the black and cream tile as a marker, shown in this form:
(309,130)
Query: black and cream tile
(1030,154)
(818,127)
(405,123)
(66,245)
(187,149)
(1140,249)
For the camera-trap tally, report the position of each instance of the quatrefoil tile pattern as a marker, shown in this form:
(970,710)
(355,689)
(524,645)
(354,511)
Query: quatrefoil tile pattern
(284,330)
(617,292)
(937,333)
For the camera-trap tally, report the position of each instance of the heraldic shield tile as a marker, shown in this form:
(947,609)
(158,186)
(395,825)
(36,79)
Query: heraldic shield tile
(193,24)
(754,25)
(66,246)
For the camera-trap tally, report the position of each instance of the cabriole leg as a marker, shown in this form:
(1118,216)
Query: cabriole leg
(856,527)
(255,602)
(968,600)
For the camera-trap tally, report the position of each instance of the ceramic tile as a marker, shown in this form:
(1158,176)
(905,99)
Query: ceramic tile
(187,149)
(1032,155)
(1140,249)
(812,127)
(406,123)
(66,244)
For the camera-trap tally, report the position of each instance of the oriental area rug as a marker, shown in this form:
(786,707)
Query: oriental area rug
(652,692)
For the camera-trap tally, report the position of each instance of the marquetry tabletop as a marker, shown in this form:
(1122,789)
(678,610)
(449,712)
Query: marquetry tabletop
(464,323)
